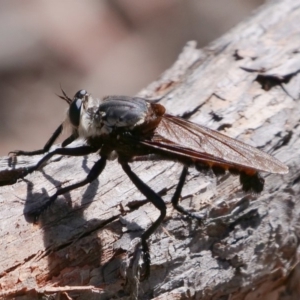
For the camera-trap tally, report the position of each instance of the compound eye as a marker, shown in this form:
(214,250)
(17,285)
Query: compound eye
(80,94)
(74,111)
(75,107)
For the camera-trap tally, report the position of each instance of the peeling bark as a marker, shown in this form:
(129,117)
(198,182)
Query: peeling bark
(245,84)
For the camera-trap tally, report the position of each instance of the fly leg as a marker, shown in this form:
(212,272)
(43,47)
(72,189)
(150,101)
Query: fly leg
(157,201)
(78,151)
(93,174)
(46,148)
(176,196)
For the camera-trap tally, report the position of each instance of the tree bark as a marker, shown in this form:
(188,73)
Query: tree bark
(246,85)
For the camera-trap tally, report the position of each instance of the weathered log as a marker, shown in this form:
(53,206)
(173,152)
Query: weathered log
(247,85)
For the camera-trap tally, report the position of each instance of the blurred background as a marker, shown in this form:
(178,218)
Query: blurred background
(106,47)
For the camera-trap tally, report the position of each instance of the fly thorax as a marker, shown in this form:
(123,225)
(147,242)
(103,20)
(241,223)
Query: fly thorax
(91,123)
(119,113)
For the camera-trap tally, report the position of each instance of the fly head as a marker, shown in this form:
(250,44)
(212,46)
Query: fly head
(75,107)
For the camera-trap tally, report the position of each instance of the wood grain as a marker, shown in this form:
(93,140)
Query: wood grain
(245,84)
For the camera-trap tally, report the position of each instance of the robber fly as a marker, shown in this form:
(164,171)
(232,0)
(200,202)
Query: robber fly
(132,129)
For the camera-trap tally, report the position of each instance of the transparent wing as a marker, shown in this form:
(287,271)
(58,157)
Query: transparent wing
(200,144)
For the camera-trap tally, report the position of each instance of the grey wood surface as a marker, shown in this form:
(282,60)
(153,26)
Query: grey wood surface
(247,85)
